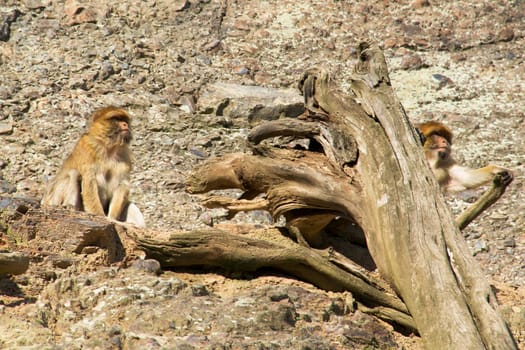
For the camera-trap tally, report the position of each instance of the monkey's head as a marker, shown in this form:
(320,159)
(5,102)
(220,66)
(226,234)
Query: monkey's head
(112,124)
(437,140)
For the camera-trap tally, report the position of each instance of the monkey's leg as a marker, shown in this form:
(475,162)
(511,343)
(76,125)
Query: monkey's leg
(90,196)
(64,190)
(119,201)
(74,196)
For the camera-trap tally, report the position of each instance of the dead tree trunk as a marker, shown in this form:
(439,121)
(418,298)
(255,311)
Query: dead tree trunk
(371,172)
(411,234)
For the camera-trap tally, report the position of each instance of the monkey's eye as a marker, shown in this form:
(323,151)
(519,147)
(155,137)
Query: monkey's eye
(118,119)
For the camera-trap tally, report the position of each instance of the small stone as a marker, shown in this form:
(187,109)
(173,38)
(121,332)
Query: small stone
(420,3)
(181,5)
(147,265)
(61,262)
(5,24)
(49,275)
(214,44)
(206,218)
(278,296)
(198,153)
(245,302)
(337,307)
(509,242)
(187,103)
(6,128)
(390,43)
(107,70)
(199,290)
(506,34)
(79,13)
(141,79)
(90,250)
(37,4)
(411,62)
(242,71)
(441,80)
(480,246)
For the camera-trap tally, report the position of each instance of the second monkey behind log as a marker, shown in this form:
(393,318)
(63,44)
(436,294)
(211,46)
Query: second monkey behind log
(451,176)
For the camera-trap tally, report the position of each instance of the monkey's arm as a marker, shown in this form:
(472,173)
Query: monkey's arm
(119,200)
(90,195)
(463,178)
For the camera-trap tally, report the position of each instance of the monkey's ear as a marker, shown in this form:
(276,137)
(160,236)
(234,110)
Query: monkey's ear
(422,137)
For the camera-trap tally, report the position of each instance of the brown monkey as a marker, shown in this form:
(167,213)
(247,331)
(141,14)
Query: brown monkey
(96,176)
(451,176)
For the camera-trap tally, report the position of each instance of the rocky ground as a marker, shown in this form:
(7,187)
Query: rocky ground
(459,62)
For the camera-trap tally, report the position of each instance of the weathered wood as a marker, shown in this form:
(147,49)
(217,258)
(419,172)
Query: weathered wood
(292,189)
(386,188)
(60,230)
(13,263)
(340,149)
(63,232)
(215,248)
(283,127)
(496,190)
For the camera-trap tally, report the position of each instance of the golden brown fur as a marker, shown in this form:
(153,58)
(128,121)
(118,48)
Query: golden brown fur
(96,175)
(451,176)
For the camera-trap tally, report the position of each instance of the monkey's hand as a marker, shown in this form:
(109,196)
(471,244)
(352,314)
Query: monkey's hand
(503,177)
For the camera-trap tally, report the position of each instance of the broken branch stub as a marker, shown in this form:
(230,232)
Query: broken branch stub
(496,190)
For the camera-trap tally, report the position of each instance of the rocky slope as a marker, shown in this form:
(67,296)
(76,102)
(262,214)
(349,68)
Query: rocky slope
(457,62)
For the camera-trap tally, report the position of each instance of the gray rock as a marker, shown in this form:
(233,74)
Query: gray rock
(250,103)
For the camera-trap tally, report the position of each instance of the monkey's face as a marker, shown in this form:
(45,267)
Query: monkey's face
(118,130)
(112,125)
(437,147)
(124,130)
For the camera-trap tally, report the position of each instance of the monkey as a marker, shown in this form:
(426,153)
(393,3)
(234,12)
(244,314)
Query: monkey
(95,177)
(451,176)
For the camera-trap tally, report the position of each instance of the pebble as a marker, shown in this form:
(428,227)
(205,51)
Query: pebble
(509,242)
(480,246)
(199,290)
(441,80)
(6,128)
(506,34)
(411,62)
(147,265)
(420,3)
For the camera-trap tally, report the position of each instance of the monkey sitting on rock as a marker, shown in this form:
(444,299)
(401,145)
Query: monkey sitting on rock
(95,177)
